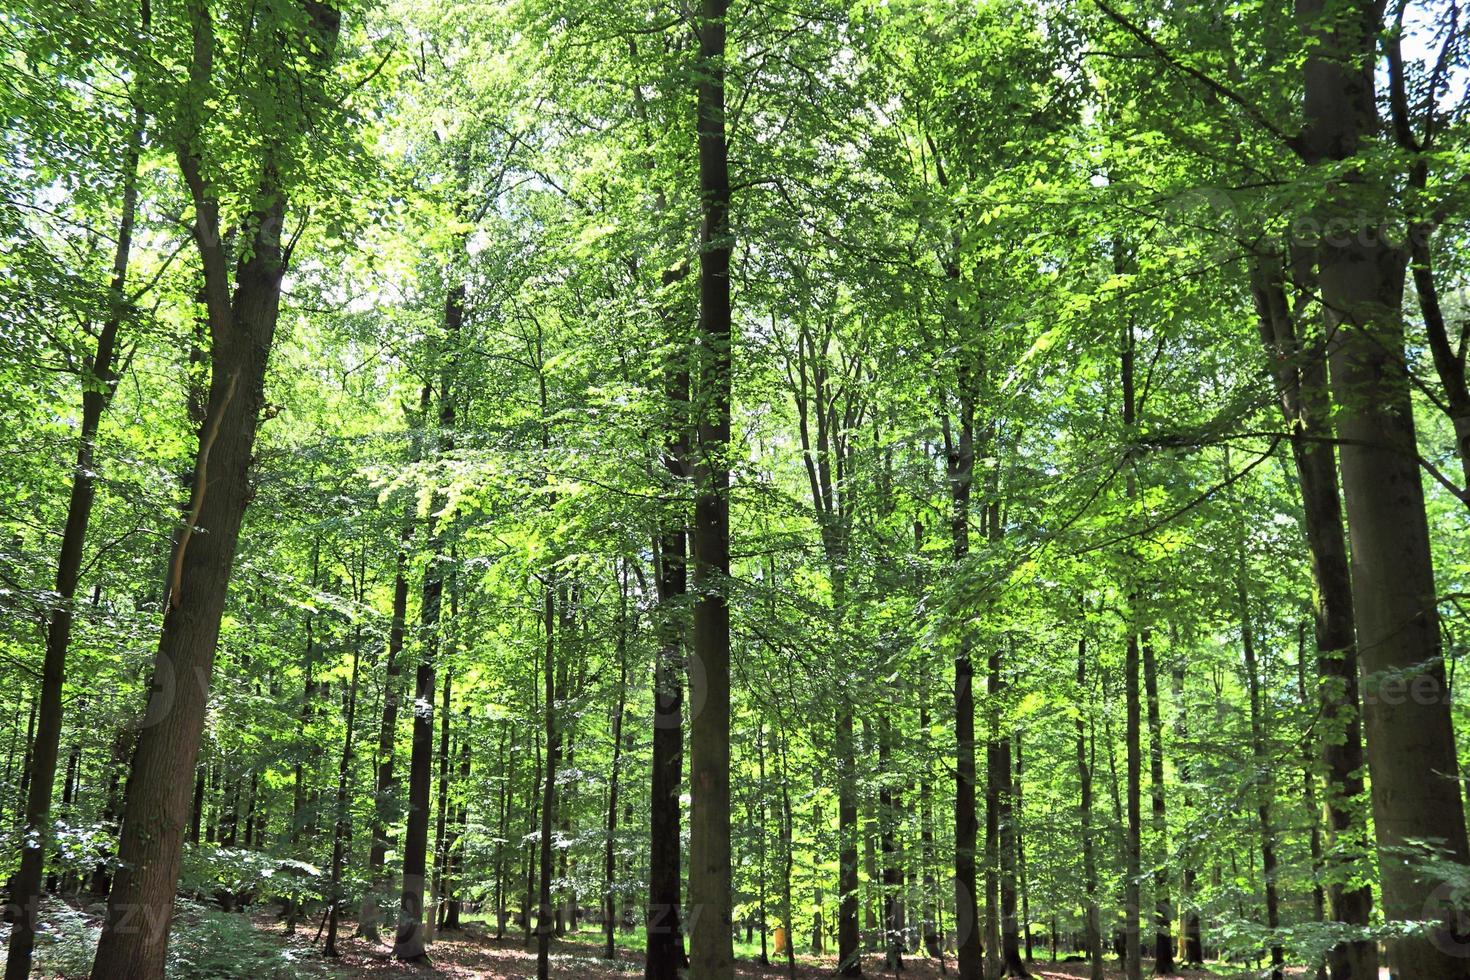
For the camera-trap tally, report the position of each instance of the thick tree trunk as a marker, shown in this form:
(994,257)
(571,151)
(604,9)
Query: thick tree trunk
(242,324)
(1406,703)
(710,950)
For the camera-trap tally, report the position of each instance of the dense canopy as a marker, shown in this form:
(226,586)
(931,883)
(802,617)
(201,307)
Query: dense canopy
(734,488)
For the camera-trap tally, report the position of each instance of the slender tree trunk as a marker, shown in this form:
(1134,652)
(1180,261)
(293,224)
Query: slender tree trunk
(762,790)
(1309,796)
(441,819)
(849,940)
(1133,736)
(1092,928)
(1019,821)
(27,761)
(122,747)
(1132,856)
(609,859)
(960,464)
(342,818)
(1300,372)
(788,857)
(544,926)
(929,937)
(99,381)
(1163,914)
(534,810)
(411,935)
(994,964)
(505,767)
(1005,818)
(711,952)
(1191,942)
(888,805)
(1262,782)
(818,945)
(385,788)
(664,955)
(454,875)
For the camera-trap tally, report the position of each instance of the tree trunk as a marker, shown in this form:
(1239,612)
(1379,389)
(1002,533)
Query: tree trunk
(1133,736)
(1300,373)
(441,819)
(342,817)
(385,788)
(1309,796)
(609,860)
(888,805)
(1001,785)
(1406,702)
(849,940)
(664,955)
(242,323)
(409,941)
(410,938)
(99,381)
(1092,928)
(710,950)
(454,874)
(1261,781)
(1163,915)
(544,926)
(959,469)
(1191,942)
(505,767)
(1019,820)
(788,856)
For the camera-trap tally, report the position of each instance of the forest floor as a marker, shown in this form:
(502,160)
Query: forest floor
(475,954)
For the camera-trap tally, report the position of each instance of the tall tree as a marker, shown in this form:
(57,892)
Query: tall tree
(99,377)
(1394,596)
(711,952)
(242,325)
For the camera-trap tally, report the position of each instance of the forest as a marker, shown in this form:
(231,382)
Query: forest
(734,488)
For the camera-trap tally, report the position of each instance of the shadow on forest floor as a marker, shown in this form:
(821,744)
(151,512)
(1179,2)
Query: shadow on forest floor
(474,953)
